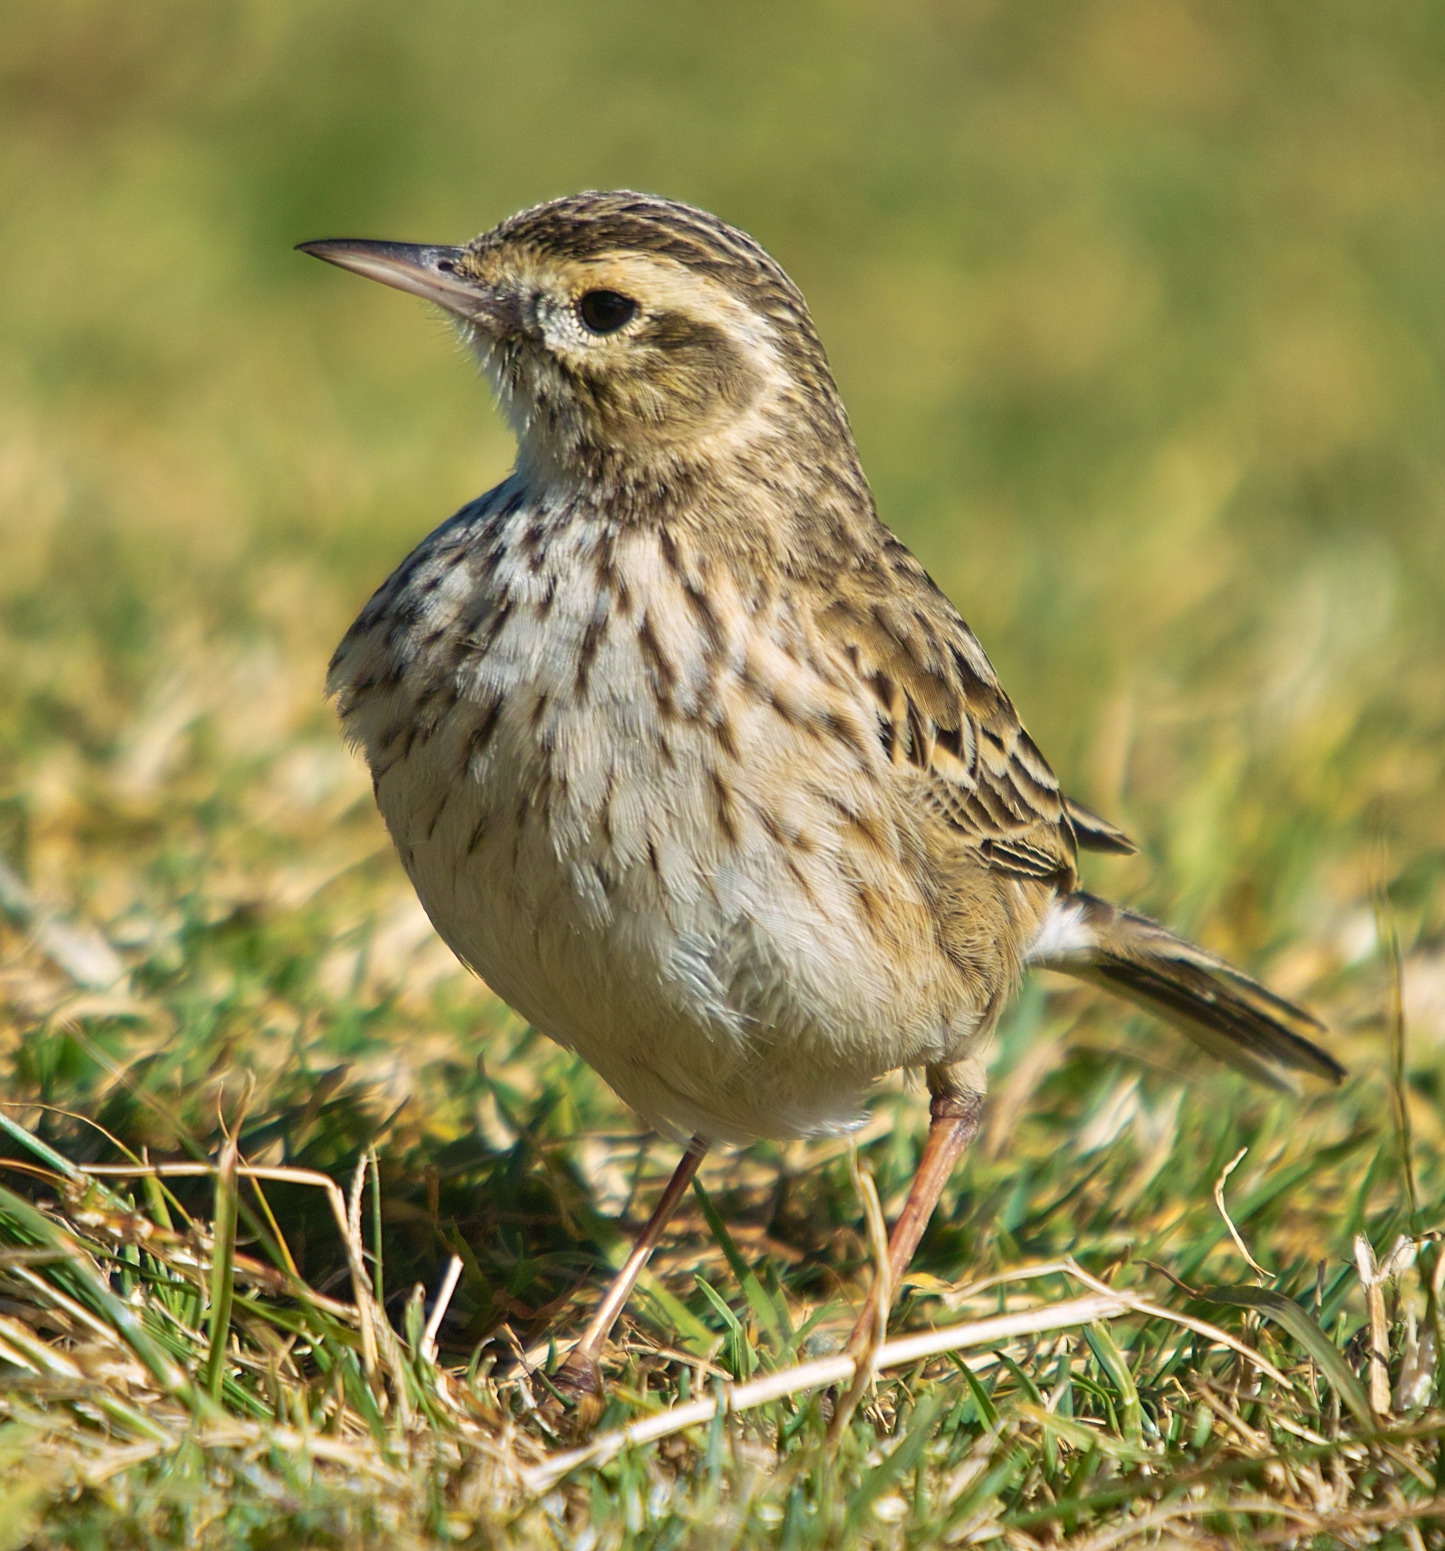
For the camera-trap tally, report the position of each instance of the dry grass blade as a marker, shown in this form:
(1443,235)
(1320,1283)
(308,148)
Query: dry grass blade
(363,1303)
(824,1371)
(880,1294)
(439,1307)
(1234,1232)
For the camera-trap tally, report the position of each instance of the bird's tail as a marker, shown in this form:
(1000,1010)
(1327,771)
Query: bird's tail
(1219,1007)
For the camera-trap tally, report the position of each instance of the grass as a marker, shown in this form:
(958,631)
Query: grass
(1142,302)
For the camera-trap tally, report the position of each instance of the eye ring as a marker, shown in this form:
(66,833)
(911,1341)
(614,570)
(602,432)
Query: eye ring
(604,312)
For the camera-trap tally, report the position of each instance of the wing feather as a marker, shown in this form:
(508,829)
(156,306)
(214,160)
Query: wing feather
(942,712)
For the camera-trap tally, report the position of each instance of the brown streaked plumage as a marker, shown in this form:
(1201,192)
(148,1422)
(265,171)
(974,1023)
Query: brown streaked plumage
(683,750)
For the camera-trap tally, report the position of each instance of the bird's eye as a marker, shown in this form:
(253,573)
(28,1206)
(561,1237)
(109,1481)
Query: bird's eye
(604,312)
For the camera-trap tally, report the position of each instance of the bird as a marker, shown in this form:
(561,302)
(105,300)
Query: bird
(687,756)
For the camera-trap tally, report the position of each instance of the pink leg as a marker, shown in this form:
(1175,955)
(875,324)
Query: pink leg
(954,1115)
(579,1373)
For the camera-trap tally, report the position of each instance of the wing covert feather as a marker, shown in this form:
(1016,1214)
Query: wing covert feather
(944,715)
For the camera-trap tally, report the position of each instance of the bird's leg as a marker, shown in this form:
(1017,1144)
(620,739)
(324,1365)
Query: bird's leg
(954,1111)
(578,1373)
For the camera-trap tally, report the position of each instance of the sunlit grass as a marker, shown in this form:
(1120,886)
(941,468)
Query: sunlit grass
(1136,309)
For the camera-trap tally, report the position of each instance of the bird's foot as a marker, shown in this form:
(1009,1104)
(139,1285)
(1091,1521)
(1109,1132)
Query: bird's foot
(578,1382)
(578,1375)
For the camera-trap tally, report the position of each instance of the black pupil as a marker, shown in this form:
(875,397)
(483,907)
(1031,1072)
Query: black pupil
(605,311)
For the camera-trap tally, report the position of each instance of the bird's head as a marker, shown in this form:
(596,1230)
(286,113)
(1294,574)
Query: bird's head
(628,335)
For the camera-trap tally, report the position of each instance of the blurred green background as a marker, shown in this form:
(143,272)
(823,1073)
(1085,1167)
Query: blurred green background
(1138,306)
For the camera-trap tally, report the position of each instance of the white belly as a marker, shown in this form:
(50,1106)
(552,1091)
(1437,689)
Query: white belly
(628,823)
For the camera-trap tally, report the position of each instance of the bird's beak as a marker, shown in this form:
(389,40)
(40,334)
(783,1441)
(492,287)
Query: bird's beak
(429,272)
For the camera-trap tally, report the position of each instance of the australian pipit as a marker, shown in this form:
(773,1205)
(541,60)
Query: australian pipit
(685,753)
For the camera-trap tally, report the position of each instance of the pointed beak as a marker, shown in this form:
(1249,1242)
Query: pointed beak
(429,272)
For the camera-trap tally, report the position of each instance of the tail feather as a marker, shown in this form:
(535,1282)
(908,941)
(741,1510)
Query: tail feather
(1231,1016)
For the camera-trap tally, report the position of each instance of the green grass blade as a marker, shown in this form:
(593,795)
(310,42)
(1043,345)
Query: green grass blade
(767,1313)
(1299,1323)
(223,1270)
(1104,1347)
